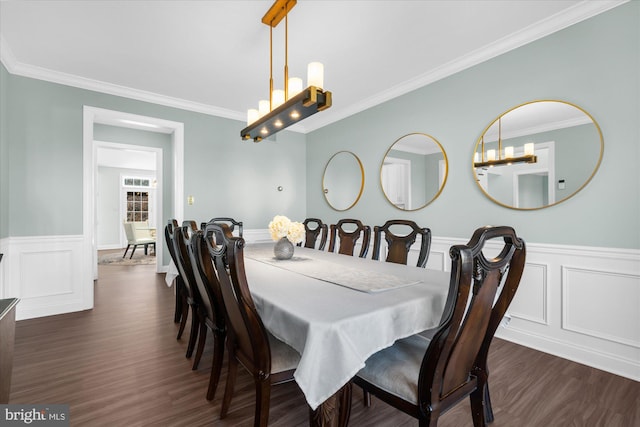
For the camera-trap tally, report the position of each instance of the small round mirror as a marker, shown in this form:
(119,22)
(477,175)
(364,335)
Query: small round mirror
(343,180)
(413,171)
(538,154)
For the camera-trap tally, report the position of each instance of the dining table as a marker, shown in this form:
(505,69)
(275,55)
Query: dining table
(336,311)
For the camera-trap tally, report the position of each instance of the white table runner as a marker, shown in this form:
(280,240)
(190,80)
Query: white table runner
(331,271)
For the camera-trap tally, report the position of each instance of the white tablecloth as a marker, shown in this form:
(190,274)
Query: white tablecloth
(334,328)
(172,273)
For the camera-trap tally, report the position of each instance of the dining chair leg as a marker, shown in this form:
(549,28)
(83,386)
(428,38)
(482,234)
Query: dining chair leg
(263,395)
(477,407)
(366,398)
(202,338)
(488,410)
(185,314)
(125,251)
(133,250)
(232,370)
(177,314)
(193,335)
(216,364)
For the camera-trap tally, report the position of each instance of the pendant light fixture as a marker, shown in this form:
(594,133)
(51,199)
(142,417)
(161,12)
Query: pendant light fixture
(491,159)
(292,104)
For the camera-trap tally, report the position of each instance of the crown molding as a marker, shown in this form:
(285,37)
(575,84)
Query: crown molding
(580,12)
(25,70)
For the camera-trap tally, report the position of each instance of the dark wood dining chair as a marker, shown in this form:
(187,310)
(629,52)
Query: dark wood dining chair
(212,315)
(425,377)
(232,223)
(314,228)
(347,240)
(267,359)
(398,246)
(191,296)
(172,224)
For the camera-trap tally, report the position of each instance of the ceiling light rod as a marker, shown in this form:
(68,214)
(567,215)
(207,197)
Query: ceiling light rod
(529,156)
(294,104)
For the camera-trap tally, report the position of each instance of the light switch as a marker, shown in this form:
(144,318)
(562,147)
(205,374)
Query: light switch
(561,184)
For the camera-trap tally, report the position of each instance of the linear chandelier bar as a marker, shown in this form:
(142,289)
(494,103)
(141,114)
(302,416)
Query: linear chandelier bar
(507,161)
(306,103)
(292,104)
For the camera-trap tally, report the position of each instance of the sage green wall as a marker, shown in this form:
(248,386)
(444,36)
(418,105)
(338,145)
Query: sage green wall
(4,158)
(593,64)
(226,176)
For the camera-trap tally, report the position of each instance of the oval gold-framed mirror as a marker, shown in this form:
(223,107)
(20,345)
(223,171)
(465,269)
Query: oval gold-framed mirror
(414,171)
(537,154)
(343,180)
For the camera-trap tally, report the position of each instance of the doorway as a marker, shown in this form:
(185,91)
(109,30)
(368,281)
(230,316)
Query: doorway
(92,116)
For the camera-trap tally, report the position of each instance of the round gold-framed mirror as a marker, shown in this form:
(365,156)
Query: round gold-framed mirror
(343,180)
(537,154)
(414,171)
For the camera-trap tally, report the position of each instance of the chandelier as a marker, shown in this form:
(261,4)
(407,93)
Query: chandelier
(293,104)
(491,159)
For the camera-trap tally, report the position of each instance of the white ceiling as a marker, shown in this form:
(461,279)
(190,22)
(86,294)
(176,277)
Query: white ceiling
(213,56)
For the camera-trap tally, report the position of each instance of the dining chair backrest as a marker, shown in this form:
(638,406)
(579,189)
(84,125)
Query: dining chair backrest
(481,291)
(205,279)
(172,224)
(398,246)
(347,240)
(232,223)
(314,228)
(244,325)
(181,239)
(454,364)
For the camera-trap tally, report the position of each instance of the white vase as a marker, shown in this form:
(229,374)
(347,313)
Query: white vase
(283,249)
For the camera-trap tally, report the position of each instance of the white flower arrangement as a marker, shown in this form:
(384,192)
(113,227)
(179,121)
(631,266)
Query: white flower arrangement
(281,226)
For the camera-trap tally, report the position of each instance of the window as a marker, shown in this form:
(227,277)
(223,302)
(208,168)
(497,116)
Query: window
(129,181)
(139,193)
(137,205)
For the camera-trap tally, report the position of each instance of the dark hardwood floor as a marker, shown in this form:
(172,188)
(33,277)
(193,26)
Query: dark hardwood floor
(120,365)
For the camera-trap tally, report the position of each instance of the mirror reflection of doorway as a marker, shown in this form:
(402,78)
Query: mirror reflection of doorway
(396,181)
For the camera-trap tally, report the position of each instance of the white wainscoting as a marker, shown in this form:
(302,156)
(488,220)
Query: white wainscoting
(47,274)
(579,303)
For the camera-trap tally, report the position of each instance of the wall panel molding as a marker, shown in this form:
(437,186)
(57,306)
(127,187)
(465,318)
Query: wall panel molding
(601,303)
(47,273)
